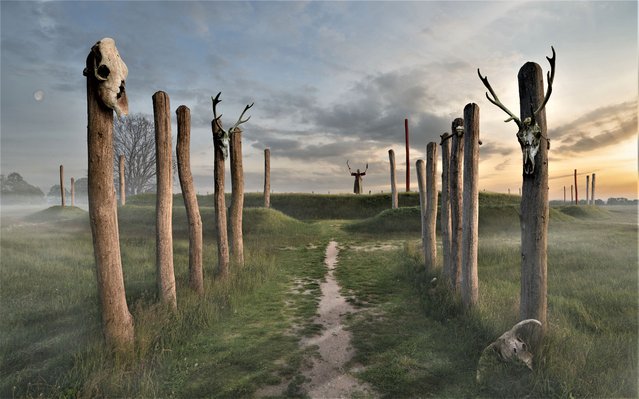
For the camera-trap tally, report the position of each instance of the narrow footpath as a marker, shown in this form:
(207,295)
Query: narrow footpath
(328,376)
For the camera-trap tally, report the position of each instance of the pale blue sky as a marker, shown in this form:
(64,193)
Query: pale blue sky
(331,81)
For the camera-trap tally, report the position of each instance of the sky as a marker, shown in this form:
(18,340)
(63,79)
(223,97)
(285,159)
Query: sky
(331,82)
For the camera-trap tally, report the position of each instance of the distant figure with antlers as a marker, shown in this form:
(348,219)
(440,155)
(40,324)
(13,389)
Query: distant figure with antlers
(357,187)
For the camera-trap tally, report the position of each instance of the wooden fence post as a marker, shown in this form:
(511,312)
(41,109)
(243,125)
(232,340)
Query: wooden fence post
(587,189)
(564,195)
(592,192)
(444,220)
(72,191)
(122,182)
(456,157)
(407,156)
(393,179)
(183,153)
(430,238)
(421,186)
(117,322)
(237,196)
(572,197)
(469,281)
(62,199)
(267,178)
(164,200)
(534,204)
(220,201)
(576,191)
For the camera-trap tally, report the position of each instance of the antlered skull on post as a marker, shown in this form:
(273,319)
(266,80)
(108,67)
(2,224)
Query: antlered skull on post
(529,134)
(111,73)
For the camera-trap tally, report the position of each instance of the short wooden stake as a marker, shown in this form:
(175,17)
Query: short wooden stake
(393,180)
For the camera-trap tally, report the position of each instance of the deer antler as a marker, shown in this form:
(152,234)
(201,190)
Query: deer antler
(349,166)
(495,100)
(551,76)
(216,118)
(239,120)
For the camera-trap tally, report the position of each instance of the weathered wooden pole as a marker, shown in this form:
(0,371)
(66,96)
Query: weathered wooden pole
(444,220)
(220,201)
(470,215)
(72,191)
(456,179)
(62,199)
(407,156)
(183,153)
(393,179)
(592,192)
(117,322)
(430,236)
(587,189)
(534,203)
(564,195)
(576,191)
(423,199)
(165,276)
(237,197)
(267,178)
(122,182)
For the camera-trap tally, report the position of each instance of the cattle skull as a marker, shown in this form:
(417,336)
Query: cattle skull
(111,73)
(529,134)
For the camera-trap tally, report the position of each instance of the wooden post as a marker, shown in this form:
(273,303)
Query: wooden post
(220,201)
(165,276)
(183,152)
(72,191)
(469,281)
(456,157)
(534,204)
(267,178)
(421,186)
(572,197)
(122,181)
(237,197)
(62,199)
(592,192)
(117,322)
(564,195)
(444,220)
(407,156)
(430,242)
(576,191)
(393,179)
(587,189)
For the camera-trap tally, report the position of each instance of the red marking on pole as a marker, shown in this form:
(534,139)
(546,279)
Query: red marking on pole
(407,157)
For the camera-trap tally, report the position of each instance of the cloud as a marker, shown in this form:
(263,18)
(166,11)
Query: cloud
(602,127)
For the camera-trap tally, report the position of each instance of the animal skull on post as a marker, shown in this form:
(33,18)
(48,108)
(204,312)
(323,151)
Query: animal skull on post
(111,73)
(226,134)
(529,134)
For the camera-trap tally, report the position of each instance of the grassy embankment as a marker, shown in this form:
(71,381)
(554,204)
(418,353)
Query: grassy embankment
(412,340)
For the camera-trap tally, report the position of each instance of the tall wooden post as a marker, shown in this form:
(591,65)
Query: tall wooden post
(393,179)
(117,322)
(469,280)
(423,199)
(165,275)
(430,242)
(534,204)
(220,201)
(122,182)
(267,178)
(592,192)
(587,189)
(62,199)
(407,156)
(237,197)
(183,153)
(444,221)
(456,179)
(576,194)
(564,195)
(572,197)
(72,191)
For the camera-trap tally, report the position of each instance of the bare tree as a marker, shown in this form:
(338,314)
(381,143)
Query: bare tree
(134,138)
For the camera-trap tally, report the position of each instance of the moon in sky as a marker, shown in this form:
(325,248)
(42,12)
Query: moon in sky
(38,95)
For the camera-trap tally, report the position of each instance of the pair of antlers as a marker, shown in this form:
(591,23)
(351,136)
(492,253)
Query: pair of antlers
(216,101)
(349,167)
(495,100)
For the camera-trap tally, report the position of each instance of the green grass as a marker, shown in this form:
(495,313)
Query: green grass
(411,337)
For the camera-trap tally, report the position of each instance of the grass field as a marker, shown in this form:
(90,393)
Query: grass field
(412,339)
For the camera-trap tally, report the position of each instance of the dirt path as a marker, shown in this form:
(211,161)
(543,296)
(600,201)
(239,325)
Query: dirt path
(328,377)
